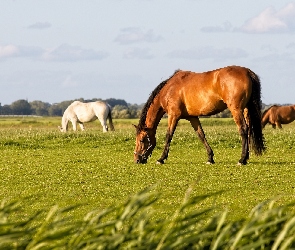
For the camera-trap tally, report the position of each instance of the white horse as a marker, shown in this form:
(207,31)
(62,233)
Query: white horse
(79,112)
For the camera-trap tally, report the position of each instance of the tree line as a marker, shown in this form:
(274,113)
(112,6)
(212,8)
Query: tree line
(120,108)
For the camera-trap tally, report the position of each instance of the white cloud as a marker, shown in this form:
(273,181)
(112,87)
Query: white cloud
(136,35)
(277,57)
(40,25)
(268,21)
(66,52)
(272,21)
(8,51)
(137,53)
(30,51)
(268,48)
(226,27)
(63,52)
(209,53)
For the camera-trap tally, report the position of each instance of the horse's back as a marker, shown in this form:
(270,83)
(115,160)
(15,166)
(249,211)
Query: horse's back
(279,114)
(70,110)
(234,84)
(286,114)
(89,111)
(100,108)
(83,112)
(209,92)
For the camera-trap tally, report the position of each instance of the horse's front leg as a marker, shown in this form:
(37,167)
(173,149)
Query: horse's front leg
(172,123)
(278,125)
(75,122)
(195,122)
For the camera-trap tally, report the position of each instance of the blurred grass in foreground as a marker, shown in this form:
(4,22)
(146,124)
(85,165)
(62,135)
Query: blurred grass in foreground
(129,226)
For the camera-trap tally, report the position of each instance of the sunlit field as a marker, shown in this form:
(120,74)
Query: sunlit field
(45,170)
(43,166)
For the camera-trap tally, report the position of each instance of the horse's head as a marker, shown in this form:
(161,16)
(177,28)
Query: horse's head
(61,129)
(145,143)
(64,124)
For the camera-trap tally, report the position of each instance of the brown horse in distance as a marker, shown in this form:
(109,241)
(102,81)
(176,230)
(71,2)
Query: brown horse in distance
(277,115)
(188,95)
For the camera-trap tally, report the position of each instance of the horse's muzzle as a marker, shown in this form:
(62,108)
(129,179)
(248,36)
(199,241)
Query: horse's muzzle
(138,161)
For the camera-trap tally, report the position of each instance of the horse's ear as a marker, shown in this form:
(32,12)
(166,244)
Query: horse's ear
(134,126)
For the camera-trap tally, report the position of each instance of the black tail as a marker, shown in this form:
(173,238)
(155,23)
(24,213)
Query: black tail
(110,119)
(254,113)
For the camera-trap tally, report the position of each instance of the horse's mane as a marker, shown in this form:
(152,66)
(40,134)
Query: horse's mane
(141,124)
(264,112)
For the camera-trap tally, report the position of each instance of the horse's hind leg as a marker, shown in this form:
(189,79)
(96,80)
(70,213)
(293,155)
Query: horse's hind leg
(104,125)
(111,121)
(195,122)
(248,121)
(243,130)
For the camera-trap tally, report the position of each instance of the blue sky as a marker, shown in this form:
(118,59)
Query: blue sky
(53,50)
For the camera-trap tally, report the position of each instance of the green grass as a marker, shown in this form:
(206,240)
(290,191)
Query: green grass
(96,169)
(47,172)
(130,226)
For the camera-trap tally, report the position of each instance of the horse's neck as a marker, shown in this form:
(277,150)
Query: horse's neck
(154,116)
(64,122)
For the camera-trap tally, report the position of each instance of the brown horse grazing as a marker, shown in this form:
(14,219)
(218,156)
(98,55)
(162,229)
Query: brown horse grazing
(187,95)
(278,115)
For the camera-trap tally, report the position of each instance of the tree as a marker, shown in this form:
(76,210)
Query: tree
(21,107)
(55,110)
(135,110)
(113,102)
(116,111)
(39,108)
(64,105)
(5,110)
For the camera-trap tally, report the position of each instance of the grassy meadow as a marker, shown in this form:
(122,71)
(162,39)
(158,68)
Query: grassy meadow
(41,167)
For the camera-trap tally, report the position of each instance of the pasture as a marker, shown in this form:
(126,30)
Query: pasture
(41,166)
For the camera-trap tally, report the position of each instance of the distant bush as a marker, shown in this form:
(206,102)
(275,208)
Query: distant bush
(121,109)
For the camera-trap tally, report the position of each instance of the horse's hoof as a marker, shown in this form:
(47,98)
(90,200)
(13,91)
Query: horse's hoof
(209,163)
(241,163)
(160,162)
